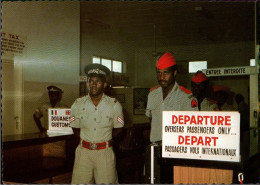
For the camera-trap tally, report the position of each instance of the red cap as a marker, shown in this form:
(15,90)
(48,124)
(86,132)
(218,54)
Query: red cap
(199,77)
(220,88)
(165,61)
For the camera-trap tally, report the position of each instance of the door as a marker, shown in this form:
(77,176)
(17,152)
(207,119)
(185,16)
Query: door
(12,97)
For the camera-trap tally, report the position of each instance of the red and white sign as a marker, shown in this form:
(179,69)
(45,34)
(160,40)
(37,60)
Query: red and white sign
(59,121)
(205,135)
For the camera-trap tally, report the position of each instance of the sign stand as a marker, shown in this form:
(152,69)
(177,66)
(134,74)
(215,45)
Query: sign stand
(152,164)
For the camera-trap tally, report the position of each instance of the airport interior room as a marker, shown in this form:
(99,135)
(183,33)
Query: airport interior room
(49,43)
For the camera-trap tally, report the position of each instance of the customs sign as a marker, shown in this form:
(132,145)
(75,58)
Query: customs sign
(59,121)
(205,135)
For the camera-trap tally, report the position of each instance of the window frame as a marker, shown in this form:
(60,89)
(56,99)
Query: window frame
(112,60)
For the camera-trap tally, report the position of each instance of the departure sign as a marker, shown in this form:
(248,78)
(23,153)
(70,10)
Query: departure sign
(59,121)
(205,135)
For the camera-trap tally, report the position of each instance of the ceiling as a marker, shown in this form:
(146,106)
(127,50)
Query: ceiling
(156,24)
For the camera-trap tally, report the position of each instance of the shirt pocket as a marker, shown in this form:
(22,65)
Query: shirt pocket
(107,119)
(170,107)
(84,118)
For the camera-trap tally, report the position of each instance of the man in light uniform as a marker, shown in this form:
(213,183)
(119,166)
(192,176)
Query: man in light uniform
(168,96)
(41,114)
(199,87)
(96,115)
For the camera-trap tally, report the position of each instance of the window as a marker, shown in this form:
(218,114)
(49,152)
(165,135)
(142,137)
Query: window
(252,62)
(113,65)
(117,66)
(194,66)
(96,60)
(107,63)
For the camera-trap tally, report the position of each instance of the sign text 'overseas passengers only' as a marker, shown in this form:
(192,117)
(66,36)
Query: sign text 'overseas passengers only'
(202,135)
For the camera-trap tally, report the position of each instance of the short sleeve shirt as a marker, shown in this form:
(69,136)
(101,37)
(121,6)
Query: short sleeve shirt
(43,109)
(208,105)
(176,100)
(227,107)
(96,122)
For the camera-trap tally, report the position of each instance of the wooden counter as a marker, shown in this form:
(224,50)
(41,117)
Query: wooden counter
(38,158)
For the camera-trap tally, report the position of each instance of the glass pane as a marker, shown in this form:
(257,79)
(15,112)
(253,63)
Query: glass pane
(252,62)
(106,63)
(198,65)
(117,66)
(96,60)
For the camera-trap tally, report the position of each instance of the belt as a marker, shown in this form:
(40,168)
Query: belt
(96,146)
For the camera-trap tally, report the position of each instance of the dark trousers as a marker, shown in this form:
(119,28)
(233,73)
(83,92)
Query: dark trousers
(163,172)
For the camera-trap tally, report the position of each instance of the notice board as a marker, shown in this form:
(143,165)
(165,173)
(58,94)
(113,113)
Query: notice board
(204,135)
(59,121)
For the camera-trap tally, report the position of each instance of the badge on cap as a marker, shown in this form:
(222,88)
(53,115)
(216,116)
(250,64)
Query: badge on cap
(97,69)
(53,88)
(165,61)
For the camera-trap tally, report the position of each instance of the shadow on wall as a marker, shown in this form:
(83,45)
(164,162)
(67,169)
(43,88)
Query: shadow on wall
(36,93)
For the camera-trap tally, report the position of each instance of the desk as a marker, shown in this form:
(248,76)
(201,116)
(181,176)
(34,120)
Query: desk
(25,159)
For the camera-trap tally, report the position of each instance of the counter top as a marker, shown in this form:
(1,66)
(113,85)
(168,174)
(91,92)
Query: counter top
(31,139)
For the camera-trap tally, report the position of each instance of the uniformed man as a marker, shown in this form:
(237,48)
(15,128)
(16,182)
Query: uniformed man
(221,94)
(199,88)
(41,114)
(168,96)
(96,114)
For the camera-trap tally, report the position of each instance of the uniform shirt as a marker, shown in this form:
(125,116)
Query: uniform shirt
(96,122)
(207,105)
(43,110)
(176,100)
(227,107)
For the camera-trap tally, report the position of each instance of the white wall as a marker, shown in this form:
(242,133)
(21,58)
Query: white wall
(52,30)
(52,33)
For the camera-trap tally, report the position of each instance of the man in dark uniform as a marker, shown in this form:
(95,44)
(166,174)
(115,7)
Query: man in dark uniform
(168,96)
(96,115)
(243,109)
(199,88)
(221,95)
(41,114)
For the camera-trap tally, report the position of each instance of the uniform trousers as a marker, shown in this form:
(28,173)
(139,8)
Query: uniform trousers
(94,166)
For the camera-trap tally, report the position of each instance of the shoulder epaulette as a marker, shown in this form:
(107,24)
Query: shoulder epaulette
(153,88)
(187,91)
(79,99)
(212,101)
(111,99)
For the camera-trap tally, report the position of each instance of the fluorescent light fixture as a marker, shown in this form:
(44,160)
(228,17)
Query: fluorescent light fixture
(194,66)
